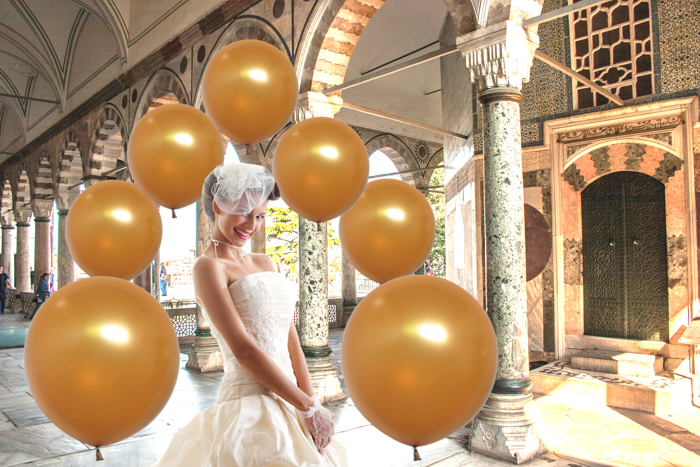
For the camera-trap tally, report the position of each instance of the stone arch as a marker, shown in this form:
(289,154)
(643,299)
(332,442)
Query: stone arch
(327,47)
(108,146)
(22,196)
(43,177)
(399,153)
(245,28)
(6,209)
(603,159)
(162,83)
(70,168)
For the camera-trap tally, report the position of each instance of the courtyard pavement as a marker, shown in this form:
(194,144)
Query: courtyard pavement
(577,434)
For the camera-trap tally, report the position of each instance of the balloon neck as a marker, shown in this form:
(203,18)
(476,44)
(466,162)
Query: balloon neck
(416,456)
(99,455)
(174,215)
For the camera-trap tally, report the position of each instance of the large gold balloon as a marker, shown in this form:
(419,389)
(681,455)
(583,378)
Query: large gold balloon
(101,359)
(321,167)
(419,358)
(389,232)
(172,149)
(113,229)
(249,90)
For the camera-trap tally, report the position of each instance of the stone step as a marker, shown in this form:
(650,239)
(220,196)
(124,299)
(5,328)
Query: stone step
(618,363)
(661,395)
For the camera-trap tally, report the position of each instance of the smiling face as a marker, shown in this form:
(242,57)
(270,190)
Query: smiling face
(238,228)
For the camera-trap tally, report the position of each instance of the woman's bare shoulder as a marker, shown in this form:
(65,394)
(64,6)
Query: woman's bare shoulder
(206,266)
(263,261)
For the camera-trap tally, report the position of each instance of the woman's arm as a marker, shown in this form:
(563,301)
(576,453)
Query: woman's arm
(211,289)
(301,371)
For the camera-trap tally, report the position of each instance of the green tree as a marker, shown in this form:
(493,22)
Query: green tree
(284,230)
(436,258)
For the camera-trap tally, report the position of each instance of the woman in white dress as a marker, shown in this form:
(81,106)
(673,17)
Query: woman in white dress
(266,413)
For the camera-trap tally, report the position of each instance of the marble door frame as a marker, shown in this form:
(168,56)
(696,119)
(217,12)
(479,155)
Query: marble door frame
(564,154)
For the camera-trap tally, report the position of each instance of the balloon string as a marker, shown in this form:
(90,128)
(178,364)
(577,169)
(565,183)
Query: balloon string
(99,455)
(416,456)
(174,216)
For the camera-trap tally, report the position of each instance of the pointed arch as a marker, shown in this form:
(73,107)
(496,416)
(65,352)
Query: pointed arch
(399,153)
(43,177)
(6,207)
(161,83)
(108,145)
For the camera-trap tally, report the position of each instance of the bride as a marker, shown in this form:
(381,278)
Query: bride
(266,413)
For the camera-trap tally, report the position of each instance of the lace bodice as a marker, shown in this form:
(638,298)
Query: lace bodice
(265,302)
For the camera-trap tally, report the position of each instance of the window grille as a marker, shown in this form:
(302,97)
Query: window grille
(611,45)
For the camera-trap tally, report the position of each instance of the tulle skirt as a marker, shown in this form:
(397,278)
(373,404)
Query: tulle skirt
(251,431)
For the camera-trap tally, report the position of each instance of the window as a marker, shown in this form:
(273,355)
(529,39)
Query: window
(611,45)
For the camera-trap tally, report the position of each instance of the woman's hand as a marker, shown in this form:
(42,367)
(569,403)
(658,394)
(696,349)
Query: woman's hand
(319,420)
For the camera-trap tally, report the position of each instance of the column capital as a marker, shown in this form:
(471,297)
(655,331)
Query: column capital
(499,55)
(7,218)
(7,227)
(22,216)
(38,219)
(315,104)
(41,208)
(64,200)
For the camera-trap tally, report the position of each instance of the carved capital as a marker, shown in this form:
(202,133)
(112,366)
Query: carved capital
(7,217)
(42,207)
(315,104)
(22,216)
(499,55)
(64,199)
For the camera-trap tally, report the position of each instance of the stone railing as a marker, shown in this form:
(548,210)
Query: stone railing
(365,286)
(27,303)
(178,303)
(185,323)
(10,299)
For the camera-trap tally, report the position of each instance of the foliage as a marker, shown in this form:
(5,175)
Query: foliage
(436,258)
(284,230)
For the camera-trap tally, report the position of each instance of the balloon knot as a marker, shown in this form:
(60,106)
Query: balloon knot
(99,455)
(174,215)
(416,456)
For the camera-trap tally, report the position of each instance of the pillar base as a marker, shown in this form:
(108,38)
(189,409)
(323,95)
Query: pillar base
(325,378)
(205,355)
(508,428)
(347,313)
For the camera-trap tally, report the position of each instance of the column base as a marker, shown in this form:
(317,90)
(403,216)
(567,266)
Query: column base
(205,355)
(508,428)
(347,313)
(325,378)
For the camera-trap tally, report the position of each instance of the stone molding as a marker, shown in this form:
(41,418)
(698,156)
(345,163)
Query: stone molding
(499,55)
(315,104)
(22,217)
(41,208)
(661,123)
(64,200)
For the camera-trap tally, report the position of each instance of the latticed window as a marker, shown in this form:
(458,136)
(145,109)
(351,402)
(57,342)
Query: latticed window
(611,45)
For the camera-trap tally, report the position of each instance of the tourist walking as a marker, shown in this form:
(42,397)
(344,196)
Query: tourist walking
(42,293)
(4,286)
(163,280)
(266,412)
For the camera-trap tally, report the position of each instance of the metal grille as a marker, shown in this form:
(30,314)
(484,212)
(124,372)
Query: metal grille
(611,44)
(625,264)
(184,321)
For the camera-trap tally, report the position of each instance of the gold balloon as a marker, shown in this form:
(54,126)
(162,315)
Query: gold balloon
(113,229)
(101,359)
(389,232)
(172,149)
(321,167)
(419,358)
(249,90)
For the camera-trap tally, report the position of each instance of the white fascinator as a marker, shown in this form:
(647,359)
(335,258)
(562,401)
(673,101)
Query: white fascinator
(240,188)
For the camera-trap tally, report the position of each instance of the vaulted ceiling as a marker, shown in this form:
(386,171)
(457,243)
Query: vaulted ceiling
(62,51)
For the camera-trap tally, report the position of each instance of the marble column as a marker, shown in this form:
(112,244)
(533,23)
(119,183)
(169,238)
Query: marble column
(42,210)
(205,354)
(6,258)
(66,265)
(349,287)
(313,309)
(499,59)
(22,281)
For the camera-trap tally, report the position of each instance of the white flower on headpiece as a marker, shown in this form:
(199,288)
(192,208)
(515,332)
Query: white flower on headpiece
(240,188)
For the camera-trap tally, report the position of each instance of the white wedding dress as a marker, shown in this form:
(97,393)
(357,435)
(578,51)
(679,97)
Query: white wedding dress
(249,426)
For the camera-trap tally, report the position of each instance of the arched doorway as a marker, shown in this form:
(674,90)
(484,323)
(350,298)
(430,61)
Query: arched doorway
(625,265)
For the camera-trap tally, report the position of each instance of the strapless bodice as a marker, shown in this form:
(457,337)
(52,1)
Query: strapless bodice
(265,302)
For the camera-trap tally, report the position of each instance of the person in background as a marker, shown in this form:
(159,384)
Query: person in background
(163,280)
(52,280)
(428,269)
(42,293)
(4,285)
(31,275)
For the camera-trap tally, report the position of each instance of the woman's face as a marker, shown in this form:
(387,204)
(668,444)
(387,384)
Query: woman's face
(238,228)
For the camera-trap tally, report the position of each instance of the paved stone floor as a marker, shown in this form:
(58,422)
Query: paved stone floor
(577,434)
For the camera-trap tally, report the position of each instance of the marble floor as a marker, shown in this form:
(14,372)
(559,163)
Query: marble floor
(577,434)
